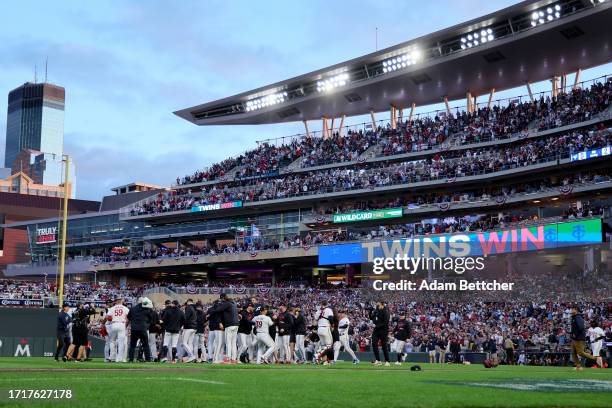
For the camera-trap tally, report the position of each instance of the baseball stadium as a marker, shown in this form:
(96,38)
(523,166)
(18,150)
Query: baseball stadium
(422,242)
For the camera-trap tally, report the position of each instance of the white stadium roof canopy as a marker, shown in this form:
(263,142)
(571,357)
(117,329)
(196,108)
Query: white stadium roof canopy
(527,42)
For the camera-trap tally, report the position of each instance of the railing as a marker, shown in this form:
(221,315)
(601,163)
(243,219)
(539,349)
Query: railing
(365,183)
(411,207)
(47,268)
(159,289)
(230,290)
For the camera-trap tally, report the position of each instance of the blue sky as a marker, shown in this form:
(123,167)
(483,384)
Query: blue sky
(127,65)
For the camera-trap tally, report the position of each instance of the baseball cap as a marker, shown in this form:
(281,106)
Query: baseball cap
(175,302)
(167,302)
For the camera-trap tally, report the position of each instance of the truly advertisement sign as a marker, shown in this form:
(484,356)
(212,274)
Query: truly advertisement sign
(368,215)
(546,236)
(46,235)
(218,206)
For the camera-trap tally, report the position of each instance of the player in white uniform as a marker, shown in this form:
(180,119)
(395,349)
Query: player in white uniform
(596,335)
(323,316)
(343,329)
(262,328)
(107,327)
(117,315)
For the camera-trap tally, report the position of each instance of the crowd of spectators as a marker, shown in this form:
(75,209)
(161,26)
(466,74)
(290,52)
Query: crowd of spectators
(446,167)
(84,292)
(535,316)
(418,134)
(578,105)
(18,289)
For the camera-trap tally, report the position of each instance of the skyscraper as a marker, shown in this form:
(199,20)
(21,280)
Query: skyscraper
(35,120)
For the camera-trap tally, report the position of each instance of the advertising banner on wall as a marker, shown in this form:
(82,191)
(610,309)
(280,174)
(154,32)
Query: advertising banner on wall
(218,206)
(21,303)
(46,235)
(528,238)
(368,215)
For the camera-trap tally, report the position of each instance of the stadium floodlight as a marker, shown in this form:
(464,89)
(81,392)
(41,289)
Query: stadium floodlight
(477,38)
(545,15)
(265,101)
(401,61)
(333,82)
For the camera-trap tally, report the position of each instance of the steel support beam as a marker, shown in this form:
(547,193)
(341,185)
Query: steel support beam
(577,78)
(491,94)
(529,91)
(414,106)
(468,98)
(324,128)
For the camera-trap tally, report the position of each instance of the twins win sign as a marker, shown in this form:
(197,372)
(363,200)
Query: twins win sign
(546,236)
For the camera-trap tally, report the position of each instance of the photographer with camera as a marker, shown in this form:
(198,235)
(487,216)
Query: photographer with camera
(80,327)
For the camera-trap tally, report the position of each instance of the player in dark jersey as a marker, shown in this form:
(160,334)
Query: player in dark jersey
(299,330)
(245,331)
(401,333)
(199,342)
(284,322)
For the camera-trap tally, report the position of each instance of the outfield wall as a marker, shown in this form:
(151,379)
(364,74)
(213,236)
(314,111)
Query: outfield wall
(26,332)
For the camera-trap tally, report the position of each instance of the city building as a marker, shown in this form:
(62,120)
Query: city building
(18,206)
(35,120)
(135,187)
(21,183)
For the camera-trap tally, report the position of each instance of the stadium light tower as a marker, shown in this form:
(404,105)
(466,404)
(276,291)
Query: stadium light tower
(477,38)
(333,82)
(402,61)
(545,15)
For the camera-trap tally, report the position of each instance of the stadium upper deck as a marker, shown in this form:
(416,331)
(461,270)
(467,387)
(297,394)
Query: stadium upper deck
(535,164)
(493,52)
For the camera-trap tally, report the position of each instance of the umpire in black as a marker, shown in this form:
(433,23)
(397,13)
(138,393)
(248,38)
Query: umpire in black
(140,317)
(380,317)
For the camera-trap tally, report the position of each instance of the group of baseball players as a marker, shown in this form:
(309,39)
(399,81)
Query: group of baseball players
(224,333)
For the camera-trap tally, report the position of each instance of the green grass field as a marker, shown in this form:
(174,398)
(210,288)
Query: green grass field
(96,384)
